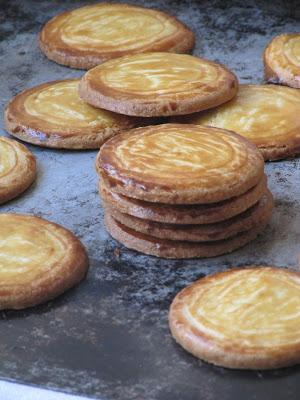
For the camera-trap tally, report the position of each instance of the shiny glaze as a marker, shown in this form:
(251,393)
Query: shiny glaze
(29,249)
(252,307)
(161,74)
(111,27)
(261,113)
(283,53)
(178,155)
(59,104)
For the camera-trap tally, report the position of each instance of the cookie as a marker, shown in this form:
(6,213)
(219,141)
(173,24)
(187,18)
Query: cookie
(180,213)
(17,169)
(88,36)
(282,60)
(180,164)
(53,115)
(158,84)
(241,318)
(39,260)
(177,249)
(268,115)
(255,216)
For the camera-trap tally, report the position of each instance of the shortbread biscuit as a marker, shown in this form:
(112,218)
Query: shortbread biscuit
(177,249)
(183,214)
(180,164)
(268,115)
(282,60)
(39,260)
(17,169)
(255,216)
(242,318)
(158,84)
(53,115)
(88,36)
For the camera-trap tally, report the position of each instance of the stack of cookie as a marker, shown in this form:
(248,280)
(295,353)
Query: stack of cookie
(182,190)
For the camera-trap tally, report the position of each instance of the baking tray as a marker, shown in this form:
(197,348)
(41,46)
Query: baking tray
(108,338)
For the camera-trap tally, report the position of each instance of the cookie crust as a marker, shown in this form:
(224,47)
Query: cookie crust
(18,169)
(158,84)
(267,115)
(209,164)
(178,38)
(246,337)
(52,115)
(183,214)
(55,261)
(177,249)
(255,216)
(281,64)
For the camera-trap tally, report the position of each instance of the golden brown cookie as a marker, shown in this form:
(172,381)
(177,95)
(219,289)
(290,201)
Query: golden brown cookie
(180,164)
(158,84)
(17,169)
(180,213)
(255,216)
(53,115)
(39,260)
(282,60)
(177,249)
(88,36)
(242,318)
(268,115)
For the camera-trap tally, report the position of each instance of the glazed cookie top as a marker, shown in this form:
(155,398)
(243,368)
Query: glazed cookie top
(35,255)
(180,164)
(156,84)
(250,310)
(266,114)
(17,168)
(107,30)
(29,248)
(282,56)
(56,107)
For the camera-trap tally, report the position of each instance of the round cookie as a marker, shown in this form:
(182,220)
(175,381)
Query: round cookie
(158,84)
(53,115)
(242,318)
(177,249)
(39,260)
(183,214)
(268,115)
(253,217)
(180,164)
(17,169)
(282,60)
(87,36)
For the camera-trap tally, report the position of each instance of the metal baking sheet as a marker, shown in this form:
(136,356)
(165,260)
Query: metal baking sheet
(108,338)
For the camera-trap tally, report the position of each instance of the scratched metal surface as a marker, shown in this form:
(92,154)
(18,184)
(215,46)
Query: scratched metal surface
(108,338)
